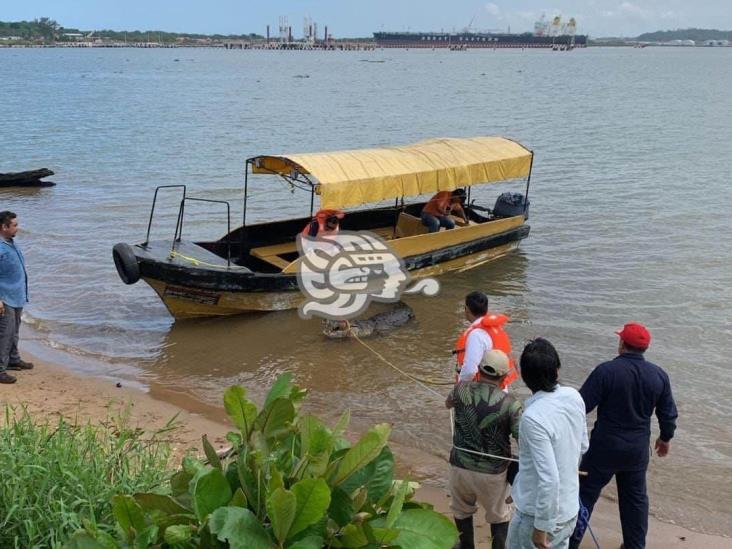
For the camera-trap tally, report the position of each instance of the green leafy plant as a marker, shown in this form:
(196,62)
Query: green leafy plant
(59,475)
(289,482)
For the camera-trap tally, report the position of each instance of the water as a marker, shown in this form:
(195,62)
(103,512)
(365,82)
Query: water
(630,221)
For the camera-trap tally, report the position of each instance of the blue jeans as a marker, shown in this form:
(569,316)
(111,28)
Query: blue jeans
(434,222)
(522,528)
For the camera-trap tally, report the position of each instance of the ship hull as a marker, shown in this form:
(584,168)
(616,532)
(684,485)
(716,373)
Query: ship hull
(475,40)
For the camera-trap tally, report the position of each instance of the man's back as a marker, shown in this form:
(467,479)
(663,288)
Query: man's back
(626,391)
(552,437)
(485,419)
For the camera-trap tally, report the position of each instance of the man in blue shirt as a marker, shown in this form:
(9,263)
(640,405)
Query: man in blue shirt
(13,296)
(626,391)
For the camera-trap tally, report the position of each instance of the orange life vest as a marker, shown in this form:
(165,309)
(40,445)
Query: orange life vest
(321,217)
(492,324)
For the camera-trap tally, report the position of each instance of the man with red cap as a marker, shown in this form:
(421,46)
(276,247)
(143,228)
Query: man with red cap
(626,391)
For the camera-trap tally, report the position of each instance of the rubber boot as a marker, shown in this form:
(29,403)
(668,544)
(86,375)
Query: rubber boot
(499,533)
(465,528)
(574,544)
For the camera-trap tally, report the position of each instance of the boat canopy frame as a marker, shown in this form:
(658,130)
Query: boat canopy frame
(356,177)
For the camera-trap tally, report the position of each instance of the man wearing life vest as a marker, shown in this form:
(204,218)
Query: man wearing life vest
(325,223)
(485,333)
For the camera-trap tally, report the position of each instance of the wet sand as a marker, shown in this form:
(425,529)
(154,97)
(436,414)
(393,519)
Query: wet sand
(51,391)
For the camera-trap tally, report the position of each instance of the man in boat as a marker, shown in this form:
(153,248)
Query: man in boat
(436,213)
(626,391)
(484,333)
(552,438)
(485,419)
(325,223)
(13,296)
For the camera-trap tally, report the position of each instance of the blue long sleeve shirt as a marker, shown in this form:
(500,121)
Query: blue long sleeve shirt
(626,392)
(13,276)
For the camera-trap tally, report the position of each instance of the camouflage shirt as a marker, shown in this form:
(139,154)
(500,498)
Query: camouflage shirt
(485,419)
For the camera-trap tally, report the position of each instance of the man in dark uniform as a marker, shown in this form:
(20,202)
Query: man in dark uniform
(626,391)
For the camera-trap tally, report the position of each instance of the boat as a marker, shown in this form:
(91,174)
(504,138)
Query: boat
(30,178)
(254,267)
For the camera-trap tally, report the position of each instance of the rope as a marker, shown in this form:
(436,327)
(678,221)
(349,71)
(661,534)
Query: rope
(423,382)
(193,260)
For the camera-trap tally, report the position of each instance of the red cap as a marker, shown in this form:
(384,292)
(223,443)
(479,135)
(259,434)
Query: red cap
(636,335)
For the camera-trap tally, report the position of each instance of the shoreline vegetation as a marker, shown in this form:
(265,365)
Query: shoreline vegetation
(51,392)
(45,33)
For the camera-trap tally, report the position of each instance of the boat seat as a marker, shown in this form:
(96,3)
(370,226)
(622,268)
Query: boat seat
(409,225)
(271,254)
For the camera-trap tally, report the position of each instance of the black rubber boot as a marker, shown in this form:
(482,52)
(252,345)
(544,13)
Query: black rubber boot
(499,533)
(465,528)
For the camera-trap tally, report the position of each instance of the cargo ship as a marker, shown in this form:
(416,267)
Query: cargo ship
(554,35)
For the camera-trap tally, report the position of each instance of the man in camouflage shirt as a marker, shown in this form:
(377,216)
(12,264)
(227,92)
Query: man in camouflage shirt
(485,419)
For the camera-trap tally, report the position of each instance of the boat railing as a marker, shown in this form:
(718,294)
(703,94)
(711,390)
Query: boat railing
(178,234)
(152,210)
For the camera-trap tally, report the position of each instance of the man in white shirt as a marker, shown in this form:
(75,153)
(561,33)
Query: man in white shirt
(475,340)
(552,439)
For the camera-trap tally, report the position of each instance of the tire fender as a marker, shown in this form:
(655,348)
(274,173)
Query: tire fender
(126,262)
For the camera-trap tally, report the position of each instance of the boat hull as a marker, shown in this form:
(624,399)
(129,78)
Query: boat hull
(192,288)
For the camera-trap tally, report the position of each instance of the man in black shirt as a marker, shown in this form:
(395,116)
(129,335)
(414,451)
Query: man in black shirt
(626,391)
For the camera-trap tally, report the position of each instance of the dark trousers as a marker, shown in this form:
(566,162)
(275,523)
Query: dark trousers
(9,328)
(632,499)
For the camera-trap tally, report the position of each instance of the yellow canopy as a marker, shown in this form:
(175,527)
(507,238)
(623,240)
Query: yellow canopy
(350,178)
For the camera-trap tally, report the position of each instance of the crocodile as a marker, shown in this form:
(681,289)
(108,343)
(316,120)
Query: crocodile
(374,325)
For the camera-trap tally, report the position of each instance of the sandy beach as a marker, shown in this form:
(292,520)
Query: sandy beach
(51,391)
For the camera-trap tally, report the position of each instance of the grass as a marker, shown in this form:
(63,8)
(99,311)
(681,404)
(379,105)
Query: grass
(56,475)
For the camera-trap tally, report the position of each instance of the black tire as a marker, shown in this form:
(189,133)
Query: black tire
(124,259)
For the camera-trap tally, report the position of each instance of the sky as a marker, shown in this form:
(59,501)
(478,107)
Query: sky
(354,18)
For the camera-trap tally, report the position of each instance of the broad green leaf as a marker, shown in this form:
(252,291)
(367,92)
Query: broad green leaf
(192,465)
(275,419)
(353,536)
(242,411)
(422,529)
(129,515)
(380,475)
(158,502)
(314,436)
(384,536)
(363,452)
(238,499)
(342,424)
(211,490)
(83,540)
(180,483)
(310,542)
(281,388)
(313,499)
(211,455)
(147,537)
(249,483)
(281,508)
(240,528)
(171,520)
(341,507)
(396,504)
(180,533)
(275,479)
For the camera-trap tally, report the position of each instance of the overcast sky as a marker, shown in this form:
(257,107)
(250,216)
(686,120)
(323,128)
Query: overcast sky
(362,17)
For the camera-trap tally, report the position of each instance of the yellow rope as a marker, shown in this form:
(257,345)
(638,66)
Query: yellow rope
(193,260)
(420,380)
(423,381)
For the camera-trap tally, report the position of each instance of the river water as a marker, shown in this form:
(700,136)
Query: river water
(630,203)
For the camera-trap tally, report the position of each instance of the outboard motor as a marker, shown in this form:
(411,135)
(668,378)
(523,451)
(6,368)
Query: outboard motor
(511,204)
